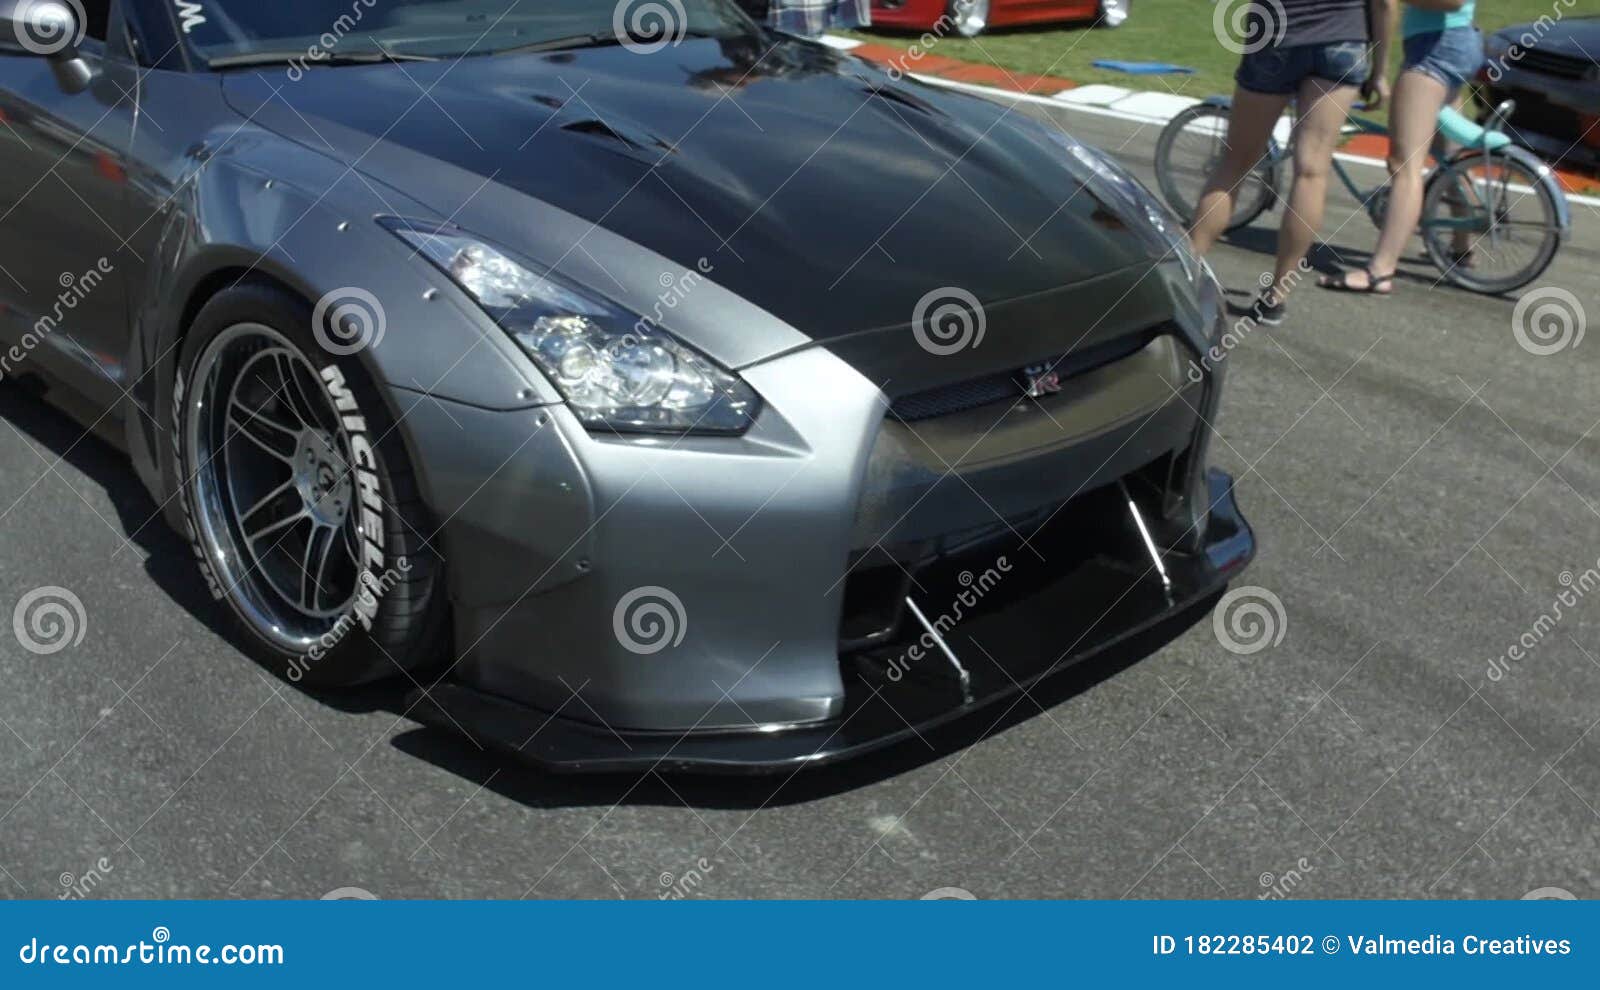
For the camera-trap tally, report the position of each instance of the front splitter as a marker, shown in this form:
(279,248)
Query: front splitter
(1058,622)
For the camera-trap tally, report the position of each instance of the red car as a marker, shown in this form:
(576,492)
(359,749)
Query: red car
(970,18)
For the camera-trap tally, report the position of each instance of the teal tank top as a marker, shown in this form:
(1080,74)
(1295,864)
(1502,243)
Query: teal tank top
(1419,21)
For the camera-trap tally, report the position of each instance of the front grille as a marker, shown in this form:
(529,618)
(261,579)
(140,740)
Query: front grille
(1552,64)
(973,393)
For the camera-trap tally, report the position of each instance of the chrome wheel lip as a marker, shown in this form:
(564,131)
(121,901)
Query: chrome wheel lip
(971,17)
(1113,12)
(326,492)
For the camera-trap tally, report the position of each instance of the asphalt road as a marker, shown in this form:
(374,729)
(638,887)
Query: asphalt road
(1420,483)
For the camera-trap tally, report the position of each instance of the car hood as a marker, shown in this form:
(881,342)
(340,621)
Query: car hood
(822,190)
(1575,37)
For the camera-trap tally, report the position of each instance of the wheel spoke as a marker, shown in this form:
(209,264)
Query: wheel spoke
(256,536)
(262,503)
(262,430)
(314,564)
(294,394)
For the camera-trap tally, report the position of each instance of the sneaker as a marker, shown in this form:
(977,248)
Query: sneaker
(1268,312)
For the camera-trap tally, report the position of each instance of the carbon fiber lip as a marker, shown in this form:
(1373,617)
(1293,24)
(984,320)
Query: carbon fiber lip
(1030,638)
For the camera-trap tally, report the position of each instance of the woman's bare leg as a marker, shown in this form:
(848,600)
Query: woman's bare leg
(1324,107)
(1250,125)
(1412,121)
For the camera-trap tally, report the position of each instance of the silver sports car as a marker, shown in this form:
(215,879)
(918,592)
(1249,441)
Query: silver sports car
(654,389)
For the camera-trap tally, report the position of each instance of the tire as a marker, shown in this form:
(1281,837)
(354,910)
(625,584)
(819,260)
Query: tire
(1186,154)
(1113,13)
(268,424)
(1520,243)
(971,17)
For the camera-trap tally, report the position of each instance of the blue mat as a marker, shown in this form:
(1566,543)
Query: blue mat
(1143,68)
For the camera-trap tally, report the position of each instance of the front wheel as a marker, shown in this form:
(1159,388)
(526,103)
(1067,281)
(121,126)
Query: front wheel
(1489,223)
(1188,152)
(299,499)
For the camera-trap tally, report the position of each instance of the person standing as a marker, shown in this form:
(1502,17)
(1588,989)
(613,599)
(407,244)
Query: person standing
(1320,54)
(1442,51)
(811,18)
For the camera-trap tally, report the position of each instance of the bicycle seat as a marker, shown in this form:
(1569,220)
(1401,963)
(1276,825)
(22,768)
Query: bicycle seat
(1455,126)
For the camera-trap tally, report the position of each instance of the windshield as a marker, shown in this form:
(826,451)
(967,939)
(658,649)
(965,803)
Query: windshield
(331,30)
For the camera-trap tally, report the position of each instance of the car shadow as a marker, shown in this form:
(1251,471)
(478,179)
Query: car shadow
(531,786)
(169,562)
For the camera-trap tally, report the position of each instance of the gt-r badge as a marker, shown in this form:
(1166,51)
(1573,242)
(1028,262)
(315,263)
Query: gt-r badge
(1039,380)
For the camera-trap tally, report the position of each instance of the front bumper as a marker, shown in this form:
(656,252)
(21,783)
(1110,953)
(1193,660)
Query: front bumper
(1032,621)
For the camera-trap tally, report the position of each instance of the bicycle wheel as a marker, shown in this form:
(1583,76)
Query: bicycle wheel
(1189,150)
(1488,223)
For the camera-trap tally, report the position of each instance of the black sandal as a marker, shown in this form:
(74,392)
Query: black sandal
(1342,283)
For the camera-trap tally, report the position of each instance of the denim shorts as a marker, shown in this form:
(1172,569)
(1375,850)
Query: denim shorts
(1452,56)
(1279,71)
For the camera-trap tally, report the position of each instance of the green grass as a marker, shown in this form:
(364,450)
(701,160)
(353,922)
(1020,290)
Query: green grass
(1176,31)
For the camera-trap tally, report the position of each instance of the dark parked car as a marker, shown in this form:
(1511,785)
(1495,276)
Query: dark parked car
(673,395)
(1549,67)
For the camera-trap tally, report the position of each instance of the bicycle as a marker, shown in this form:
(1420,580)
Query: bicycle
(1482,203)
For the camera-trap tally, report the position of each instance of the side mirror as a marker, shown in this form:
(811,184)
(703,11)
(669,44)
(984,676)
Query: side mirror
(52,29)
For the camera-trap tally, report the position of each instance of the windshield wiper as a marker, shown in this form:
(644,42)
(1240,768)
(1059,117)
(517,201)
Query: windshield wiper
(300,57)
(594,39)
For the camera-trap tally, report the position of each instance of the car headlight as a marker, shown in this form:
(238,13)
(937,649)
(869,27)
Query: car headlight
(1162,231)
(616,370)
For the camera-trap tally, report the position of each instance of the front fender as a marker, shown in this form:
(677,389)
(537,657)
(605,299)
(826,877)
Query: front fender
(237,220)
